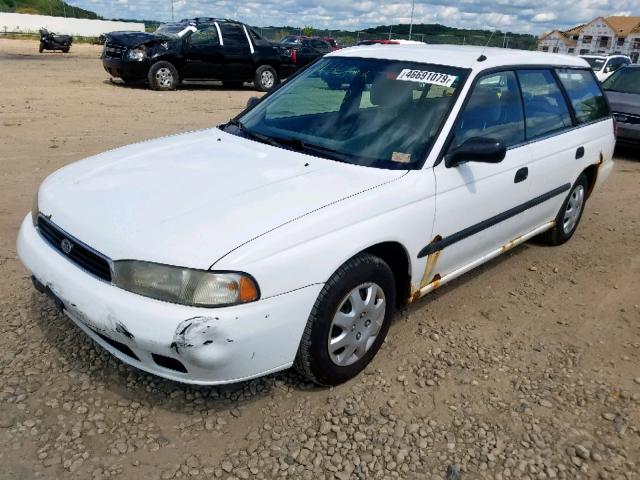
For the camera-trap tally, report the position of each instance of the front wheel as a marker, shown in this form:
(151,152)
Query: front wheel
(163,76)
(569,215)
(41,49)
(348,322)
(266,78)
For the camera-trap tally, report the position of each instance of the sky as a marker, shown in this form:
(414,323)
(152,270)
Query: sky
(522,16)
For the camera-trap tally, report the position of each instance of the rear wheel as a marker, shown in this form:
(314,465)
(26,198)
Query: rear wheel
(266,78)
(349,321)
(66,49)
(163,76)
(569,215)
(41,49)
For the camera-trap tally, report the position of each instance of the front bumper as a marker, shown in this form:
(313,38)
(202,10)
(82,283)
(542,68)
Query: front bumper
(117,67)
(213,345)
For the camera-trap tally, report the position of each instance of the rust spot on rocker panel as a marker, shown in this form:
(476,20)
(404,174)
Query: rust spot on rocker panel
(509,245)
(428,270)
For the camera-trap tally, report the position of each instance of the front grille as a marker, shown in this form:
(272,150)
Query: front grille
(627,118)
(76,251)
(112,50)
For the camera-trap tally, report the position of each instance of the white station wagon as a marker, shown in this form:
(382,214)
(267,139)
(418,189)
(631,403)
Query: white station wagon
(288,236)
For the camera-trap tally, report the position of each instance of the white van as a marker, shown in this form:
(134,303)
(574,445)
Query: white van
(606,65)
(289,235)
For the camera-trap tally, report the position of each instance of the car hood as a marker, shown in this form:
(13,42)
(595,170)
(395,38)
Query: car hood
(190,199)
(133,39)
(624,102)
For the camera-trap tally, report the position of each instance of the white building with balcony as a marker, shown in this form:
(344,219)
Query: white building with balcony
(602,36)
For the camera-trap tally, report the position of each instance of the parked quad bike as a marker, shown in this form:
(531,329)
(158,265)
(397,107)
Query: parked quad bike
(51,41)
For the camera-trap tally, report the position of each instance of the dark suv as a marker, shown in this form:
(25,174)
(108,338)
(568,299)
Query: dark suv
(197,49)
(306,50)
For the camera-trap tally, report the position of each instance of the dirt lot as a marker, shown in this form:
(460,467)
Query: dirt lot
(528,368)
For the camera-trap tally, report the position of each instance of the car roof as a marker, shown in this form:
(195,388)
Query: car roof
(461,56)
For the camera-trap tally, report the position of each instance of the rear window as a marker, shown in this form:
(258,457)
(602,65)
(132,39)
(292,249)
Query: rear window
(544,105)
(585,94)
(595,63)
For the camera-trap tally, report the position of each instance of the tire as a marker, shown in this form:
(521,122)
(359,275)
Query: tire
(323,364)
(569,215)
(334,85)
(233,85)
(163,76)
(41,48)
(66,50)
(266,78)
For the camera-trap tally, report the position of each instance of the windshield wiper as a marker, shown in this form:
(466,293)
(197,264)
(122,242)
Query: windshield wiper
(304,147)
(255,136)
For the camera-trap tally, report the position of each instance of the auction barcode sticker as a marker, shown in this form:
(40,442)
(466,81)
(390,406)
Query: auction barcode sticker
(424,76)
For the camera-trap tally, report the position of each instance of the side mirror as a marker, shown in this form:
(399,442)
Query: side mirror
(252,102)
(477,149)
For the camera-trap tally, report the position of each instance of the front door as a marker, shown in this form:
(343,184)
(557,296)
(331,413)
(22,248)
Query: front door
(478,204)
(203,54)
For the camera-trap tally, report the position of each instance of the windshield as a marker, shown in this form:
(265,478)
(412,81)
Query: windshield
(175,29)
(378,113)
(595,63)
(625,80)
(291,39)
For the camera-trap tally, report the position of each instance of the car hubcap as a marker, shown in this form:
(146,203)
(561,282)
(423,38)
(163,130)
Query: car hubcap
(574,207)
(356,324)
(164,77)
(267,79)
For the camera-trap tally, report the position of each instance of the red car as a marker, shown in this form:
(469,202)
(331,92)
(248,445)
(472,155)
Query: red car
(333,42)
(378,42)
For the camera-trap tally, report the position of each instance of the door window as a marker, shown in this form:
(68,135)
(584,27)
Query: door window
(234,37)
(205,37)
(585,94)
(544,106)
(494,110)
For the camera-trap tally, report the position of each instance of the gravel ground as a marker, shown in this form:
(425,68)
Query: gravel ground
(527,368)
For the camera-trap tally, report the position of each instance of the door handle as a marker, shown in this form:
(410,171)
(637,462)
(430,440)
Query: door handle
(579,153)
(521,175)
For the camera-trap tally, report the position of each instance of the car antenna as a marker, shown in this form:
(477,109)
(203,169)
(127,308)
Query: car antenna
(482,56)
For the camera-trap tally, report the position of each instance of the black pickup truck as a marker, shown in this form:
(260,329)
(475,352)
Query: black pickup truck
(198,49)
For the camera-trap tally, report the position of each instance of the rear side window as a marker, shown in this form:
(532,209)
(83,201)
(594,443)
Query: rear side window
(586,97)
(234,37)
(544,106)
(494,110)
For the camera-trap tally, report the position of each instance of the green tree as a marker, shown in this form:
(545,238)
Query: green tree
(307,31)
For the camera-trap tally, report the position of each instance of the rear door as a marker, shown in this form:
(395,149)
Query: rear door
(238,52)
(569,128)
(477,203)
(203,53)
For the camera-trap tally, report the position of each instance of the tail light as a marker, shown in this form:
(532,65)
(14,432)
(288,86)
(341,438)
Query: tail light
(294,55)
(615,126)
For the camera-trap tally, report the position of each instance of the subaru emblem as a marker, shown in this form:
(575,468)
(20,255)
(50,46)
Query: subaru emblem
(66,246)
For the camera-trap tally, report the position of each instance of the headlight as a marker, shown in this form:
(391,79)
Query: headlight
(35,210)
(199,288)
(137,54)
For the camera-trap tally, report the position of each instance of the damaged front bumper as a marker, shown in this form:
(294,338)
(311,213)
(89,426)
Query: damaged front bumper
(205,346)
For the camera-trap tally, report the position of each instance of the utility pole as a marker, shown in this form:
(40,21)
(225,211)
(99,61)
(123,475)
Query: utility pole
(390,27)
(64,8)
(172,13)
(413,6)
